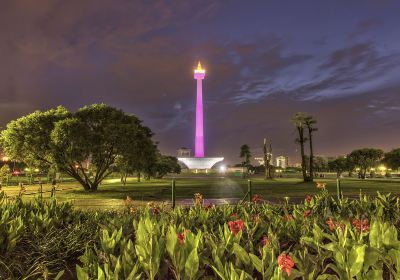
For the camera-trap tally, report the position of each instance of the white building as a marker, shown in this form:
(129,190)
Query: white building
(260,160)
(282,161)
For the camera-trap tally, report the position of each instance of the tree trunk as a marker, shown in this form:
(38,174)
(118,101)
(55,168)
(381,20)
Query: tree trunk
(138,176)
(311,175)
(303,159)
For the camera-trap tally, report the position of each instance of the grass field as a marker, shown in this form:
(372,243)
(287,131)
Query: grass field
(219,189)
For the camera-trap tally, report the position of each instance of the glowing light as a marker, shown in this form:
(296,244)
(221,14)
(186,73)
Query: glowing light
(199,69)
(382,168)
(5,158)
(27,169)
(222,168)
(200,163)
(37,170)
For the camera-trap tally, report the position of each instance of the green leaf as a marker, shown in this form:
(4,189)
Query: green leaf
(81,273)
(100,274)
(241,254)
(58,276)
(356,259)
(192,264)
(257,263)
(374,274)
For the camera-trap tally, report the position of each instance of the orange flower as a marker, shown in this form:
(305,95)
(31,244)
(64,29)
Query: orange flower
(288,218)
(234,215)
(285,263)
(331,224)
(236,226)
(208,206)
(361,225)
(307,213)
(257,198)
(320,185)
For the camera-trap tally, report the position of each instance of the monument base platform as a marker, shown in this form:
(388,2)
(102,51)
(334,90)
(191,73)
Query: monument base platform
(200,163)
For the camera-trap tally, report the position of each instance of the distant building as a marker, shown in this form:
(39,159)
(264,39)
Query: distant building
(260,160)
(184,152)
(282,161)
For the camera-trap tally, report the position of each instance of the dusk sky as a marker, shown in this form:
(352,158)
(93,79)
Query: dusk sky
(265,60)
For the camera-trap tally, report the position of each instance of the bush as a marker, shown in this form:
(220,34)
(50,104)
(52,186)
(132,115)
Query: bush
(322,238)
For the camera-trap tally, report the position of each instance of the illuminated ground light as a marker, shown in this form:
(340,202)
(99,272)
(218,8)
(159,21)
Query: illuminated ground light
(200,163)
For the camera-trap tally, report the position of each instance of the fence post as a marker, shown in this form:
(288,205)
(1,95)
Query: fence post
(173,193)
(249,189)
(338,189)
(41,190)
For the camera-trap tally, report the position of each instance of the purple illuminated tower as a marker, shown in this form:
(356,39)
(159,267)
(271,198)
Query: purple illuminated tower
(199,162)
(199,74)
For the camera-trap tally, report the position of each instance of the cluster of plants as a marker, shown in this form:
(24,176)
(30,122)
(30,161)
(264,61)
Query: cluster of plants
(322,238)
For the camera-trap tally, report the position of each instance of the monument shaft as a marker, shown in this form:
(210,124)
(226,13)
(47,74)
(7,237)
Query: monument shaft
(199,74)
(199,143)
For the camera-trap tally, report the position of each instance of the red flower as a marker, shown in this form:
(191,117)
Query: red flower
(265,241)
(288,218)
(285,263)
(307,213)
(331,224)
(236,226)
(181,237)
(154,211)
(257,198)
(361,225)
(308,198)
(208,206)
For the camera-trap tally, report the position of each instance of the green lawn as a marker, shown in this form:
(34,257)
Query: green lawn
(111,193)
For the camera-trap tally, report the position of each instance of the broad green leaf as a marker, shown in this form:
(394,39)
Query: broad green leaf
(81,274)
(356,259)
(192,264)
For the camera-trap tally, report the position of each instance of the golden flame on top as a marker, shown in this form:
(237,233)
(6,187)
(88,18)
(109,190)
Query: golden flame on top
(199,69)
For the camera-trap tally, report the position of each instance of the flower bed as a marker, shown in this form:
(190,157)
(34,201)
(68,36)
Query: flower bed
(322,238)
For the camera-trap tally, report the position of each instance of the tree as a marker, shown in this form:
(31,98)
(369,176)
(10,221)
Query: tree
(5,173)
(139,158)
(392,159)
(339,165)
(245,154)
(309,122)
(95,135)
(298,121)
(267,149)
(165,165)
(320,164)
(365,158)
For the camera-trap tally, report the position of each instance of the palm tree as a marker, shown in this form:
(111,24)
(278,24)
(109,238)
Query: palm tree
(309,122)
(298,121)
(245,155)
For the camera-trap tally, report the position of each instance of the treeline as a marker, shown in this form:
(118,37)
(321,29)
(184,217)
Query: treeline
(88,145)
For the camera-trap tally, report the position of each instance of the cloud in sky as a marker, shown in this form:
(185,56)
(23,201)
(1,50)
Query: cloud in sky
(264,61)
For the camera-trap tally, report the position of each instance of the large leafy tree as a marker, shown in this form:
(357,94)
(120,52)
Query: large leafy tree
(140,158)
(95,135)
(245,155)
(365,158)
(392,159)
(339,165)
(165,165)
